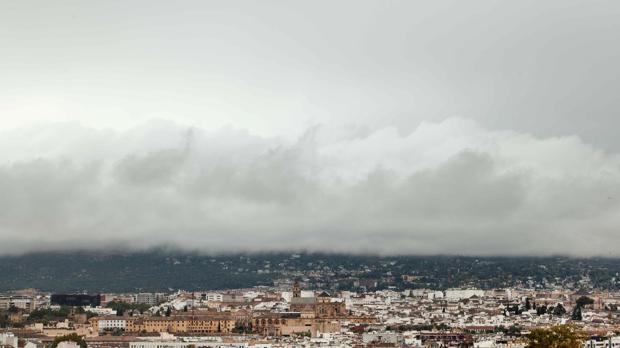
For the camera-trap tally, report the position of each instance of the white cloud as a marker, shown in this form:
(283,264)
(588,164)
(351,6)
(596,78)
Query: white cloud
(451,187)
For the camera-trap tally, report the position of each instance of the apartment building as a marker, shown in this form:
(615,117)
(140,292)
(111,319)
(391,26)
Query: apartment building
(211,323)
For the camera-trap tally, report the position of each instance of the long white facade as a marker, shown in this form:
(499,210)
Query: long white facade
(111,324)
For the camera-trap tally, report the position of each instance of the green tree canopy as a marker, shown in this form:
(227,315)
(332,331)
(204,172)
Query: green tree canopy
(45,315)
(560,336)
(584,300)
(559,310)
(577,314)
(71,337)
(528,304)
(122,307)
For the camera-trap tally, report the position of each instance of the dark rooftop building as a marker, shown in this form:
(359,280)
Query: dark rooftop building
(77,300)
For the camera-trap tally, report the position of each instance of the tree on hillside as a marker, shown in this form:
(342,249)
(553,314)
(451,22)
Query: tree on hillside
(561,336)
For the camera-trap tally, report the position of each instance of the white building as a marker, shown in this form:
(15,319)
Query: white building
(167,340)
(33,344)
(21,302)
(458,294)
(8,339)
(208,296)
(68,344)
(603,342)
(434,294)
(111,324)
(100,310)
(214,297)
(383,337)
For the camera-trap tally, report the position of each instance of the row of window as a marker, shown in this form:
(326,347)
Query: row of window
(270,321)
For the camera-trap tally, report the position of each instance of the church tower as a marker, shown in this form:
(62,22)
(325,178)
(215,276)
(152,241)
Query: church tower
(296,289)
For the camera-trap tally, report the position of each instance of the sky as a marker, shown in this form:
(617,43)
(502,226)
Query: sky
(390,127)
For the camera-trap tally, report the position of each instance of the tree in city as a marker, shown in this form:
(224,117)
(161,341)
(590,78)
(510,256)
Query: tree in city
(123,307)
(559,310)
(584,301)
(514,330)
(528,304)
(540,310)
(579,304)
(46,315)
(71,337)
(560,336)
(4,319)
(242,328)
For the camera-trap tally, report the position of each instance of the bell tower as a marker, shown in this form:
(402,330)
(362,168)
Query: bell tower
(296,289)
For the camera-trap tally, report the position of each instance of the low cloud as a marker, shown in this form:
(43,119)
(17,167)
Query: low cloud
(445,188)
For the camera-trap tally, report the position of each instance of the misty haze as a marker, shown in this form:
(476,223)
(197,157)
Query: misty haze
(452,187)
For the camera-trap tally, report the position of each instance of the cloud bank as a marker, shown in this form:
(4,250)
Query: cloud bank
(451,187)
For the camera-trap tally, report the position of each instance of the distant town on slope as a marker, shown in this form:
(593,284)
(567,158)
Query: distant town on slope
(159,270)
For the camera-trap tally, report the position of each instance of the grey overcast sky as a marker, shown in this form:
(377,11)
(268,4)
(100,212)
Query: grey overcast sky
(458,127)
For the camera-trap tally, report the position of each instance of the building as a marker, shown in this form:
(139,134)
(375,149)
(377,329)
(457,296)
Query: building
(101,311)
(602,342)
(8,339)
(149,298)
(68,344)
(109,323)
(33,344)
(76,300)
(307,315)
(457,294)
(209,296)
(209,323)
(289,323)
(107,298)
(445,339)
(170,341)
(5,302)
(383,337)
(214,296)
(321,306)
(25,303)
